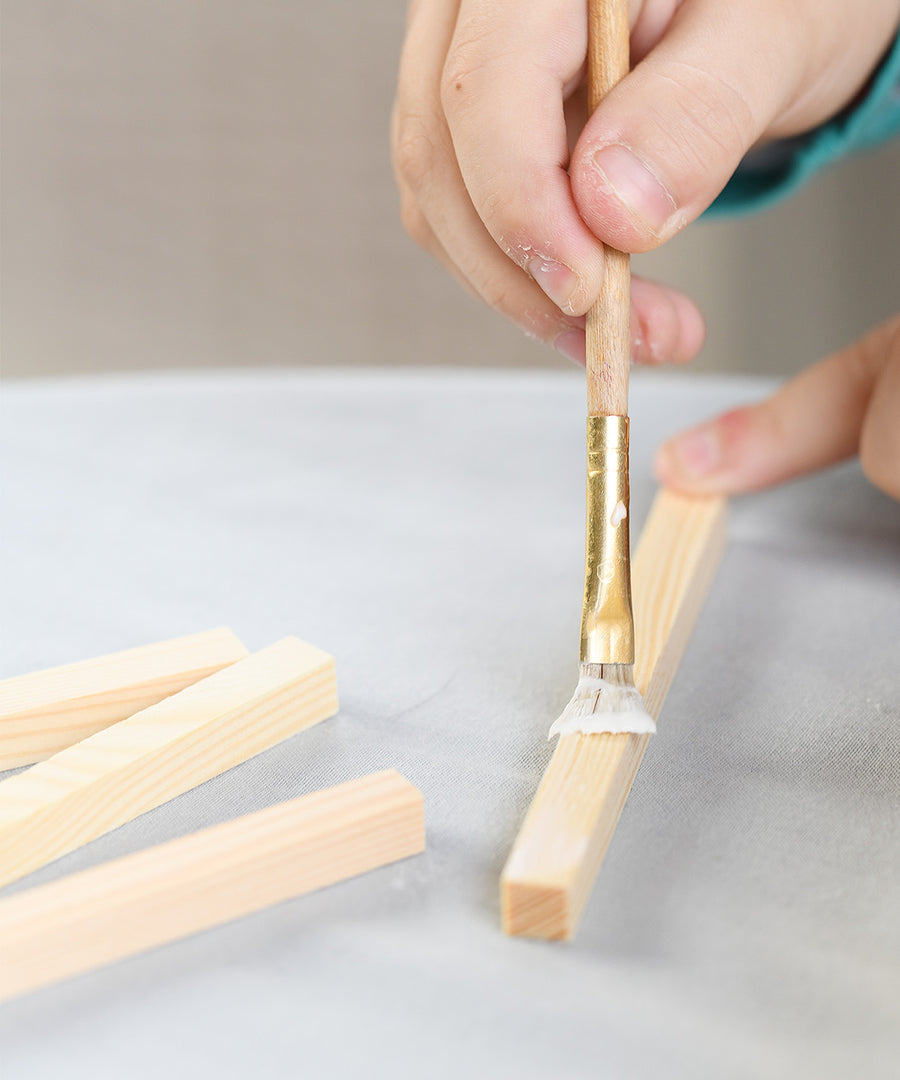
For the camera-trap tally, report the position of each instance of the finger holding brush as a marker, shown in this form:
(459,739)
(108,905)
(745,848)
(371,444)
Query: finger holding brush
(490,97)
(507,181)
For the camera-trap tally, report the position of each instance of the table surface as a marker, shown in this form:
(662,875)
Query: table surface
(427,528)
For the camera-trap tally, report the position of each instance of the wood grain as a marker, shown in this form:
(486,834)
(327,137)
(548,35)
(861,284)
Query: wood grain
(559,849)
(608,326)
(46,711)
(140,901)
(128,768)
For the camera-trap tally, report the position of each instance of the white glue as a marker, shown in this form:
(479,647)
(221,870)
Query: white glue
(604,705)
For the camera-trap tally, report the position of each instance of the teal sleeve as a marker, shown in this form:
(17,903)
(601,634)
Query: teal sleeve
(774,172)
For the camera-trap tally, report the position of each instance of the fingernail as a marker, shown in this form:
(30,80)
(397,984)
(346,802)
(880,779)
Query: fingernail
(557,281)
(634,185)
(571,343)
(694,454)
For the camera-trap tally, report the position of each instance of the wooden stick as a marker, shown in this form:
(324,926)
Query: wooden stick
(47,711)
(561,844)
(155,896)
(608,327)
(111,777)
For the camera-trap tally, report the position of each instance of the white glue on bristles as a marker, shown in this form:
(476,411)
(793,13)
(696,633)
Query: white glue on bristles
(609,704)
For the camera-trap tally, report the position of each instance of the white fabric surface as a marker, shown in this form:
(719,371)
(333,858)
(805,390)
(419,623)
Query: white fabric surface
(426,528)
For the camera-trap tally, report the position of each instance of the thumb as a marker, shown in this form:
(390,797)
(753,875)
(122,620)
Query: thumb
(664,142)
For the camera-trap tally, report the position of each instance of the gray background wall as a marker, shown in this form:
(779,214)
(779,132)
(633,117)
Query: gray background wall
(190,183)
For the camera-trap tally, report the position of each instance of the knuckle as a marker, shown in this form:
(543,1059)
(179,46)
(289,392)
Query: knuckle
(709,114)
(500,212)
(456,79)
(466,60)
(496,295)
(414,152)
(544,325)
(508,215)
(502,291)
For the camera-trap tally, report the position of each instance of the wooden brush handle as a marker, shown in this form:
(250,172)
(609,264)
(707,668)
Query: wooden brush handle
(608,321)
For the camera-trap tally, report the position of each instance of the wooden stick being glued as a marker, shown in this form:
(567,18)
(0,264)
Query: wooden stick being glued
(559,849)
(46,711)
(155,896)
(111,777)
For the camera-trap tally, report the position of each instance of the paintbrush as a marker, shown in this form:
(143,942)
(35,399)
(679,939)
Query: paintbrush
(606,699)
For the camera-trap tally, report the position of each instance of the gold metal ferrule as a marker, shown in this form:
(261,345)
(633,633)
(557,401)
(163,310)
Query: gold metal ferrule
(607,622)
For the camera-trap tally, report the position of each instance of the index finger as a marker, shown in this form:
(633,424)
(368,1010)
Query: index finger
(844,404)
(503,87)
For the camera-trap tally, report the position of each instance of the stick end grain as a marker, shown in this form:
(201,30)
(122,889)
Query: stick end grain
(535,910)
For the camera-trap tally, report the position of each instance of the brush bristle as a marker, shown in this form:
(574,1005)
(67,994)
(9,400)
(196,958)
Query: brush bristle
(605,700)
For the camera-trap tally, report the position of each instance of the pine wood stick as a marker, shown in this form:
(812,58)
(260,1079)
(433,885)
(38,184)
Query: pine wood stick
(559,849)
(46,711)
(134,903)
(124,770)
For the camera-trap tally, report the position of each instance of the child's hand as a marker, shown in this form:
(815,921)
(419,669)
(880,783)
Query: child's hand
(846,404)
(489,100)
